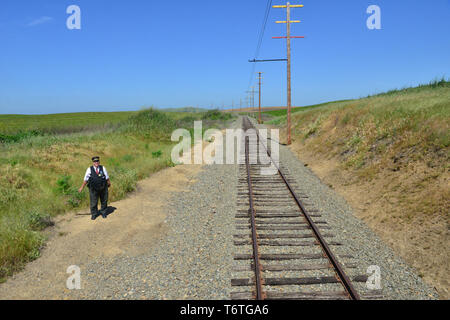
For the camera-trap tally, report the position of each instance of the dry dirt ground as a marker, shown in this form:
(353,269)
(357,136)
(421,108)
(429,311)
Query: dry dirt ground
(422,242)
(133,227)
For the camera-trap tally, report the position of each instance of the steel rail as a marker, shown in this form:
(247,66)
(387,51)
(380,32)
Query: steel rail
(257,265)
(342,277)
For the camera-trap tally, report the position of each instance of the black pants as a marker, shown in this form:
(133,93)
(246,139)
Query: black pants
(94,195)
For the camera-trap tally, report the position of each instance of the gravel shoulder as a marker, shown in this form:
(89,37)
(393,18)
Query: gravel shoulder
(191,260)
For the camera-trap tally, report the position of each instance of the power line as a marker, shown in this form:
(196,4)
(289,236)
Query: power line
(261,35)
(260,40)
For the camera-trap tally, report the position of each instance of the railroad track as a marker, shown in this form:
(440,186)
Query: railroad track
(284,250)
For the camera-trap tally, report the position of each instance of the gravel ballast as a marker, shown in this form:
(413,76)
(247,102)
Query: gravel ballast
(398,280)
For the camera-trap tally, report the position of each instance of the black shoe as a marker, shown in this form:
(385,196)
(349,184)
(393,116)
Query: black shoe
(104,215)
(94,216)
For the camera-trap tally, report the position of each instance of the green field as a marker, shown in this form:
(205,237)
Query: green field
(43,160)
(61,123)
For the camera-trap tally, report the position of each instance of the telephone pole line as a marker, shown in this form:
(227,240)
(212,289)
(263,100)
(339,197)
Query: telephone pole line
(259,83)
(252,98)
(288,38)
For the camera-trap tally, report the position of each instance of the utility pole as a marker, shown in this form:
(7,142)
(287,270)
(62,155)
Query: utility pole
(288,38)
(259,83)
(252,98)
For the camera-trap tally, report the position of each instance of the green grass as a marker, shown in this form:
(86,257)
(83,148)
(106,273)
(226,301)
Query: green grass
(41,172)
(437,83)
(421,113)
(216,115)
(283,112)
(388,132)
(281,115)
(61,123)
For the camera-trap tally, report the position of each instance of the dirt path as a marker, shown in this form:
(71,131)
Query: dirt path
(131,229)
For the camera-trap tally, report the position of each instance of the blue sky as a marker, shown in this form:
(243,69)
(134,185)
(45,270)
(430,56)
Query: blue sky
(137,53)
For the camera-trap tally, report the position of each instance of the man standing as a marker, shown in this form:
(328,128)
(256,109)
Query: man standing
(97,179)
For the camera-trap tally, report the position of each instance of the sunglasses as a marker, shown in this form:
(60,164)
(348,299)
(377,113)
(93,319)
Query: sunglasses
(96,161)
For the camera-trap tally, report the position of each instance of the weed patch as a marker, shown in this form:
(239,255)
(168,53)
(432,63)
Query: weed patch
(157,154)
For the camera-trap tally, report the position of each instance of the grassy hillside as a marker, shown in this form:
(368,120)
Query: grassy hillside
(283,112)
(363,130)
(388,155)
(41,169)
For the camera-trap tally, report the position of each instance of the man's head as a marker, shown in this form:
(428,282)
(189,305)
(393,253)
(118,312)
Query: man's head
(96,161)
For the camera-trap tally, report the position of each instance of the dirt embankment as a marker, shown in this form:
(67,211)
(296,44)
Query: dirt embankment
(388,155)
(387,203)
